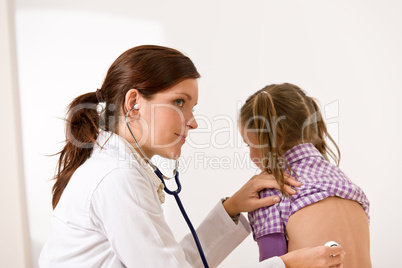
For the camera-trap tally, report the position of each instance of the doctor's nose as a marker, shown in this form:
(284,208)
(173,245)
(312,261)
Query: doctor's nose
(192,123)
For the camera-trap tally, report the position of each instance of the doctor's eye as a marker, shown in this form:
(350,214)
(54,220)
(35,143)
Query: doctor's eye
(179,103)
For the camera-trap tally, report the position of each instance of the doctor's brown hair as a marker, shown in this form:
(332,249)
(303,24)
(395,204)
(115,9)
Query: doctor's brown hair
(149,69)
(283,116)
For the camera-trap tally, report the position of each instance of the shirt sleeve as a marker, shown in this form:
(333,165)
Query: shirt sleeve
(269,220)
(125,209)
(272,245)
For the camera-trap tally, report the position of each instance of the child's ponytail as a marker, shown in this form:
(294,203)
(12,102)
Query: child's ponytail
(266,121)
(322,133)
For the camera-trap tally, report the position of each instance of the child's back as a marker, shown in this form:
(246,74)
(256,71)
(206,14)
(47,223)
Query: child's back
(333,218)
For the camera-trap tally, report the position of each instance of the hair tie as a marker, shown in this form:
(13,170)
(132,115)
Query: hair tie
(99,95)
(264,92)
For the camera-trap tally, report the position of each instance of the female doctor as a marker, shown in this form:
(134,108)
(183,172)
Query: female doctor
(106,199)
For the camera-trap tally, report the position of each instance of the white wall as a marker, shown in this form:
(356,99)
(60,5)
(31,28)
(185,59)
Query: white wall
(14,243)
(345,53)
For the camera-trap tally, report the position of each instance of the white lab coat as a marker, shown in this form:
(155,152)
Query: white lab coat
(110,215)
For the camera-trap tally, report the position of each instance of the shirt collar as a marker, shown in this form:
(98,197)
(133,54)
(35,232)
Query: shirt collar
(301,151)
(109,139)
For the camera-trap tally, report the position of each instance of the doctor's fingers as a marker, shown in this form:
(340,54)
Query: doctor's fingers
(265,181)
(289,180)
(336,256)
(261,182)
(267,201)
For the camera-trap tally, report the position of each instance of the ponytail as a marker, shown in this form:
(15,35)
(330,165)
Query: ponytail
(266,121)
(82,129)
(322,132)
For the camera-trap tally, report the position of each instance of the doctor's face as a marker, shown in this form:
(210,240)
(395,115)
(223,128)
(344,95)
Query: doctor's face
(169,117)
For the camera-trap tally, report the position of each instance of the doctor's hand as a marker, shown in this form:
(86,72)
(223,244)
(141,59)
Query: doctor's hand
(247,199)
(318,257)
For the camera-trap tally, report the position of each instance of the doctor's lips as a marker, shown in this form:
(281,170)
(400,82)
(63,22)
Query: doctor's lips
(182,137)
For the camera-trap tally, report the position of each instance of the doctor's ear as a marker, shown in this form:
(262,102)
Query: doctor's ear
(131,101)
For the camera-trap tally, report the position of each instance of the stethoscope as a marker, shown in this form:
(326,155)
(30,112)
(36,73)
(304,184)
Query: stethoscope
(174,193)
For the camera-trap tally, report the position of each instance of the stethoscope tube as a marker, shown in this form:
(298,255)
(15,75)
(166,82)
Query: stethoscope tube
(174,193)
(183,212)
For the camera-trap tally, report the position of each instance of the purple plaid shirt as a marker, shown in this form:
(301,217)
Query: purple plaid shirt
(320,178)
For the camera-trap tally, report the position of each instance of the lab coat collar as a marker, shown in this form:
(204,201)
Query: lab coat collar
(108,139)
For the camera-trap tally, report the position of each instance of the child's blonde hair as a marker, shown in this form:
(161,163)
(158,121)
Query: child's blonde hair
(283,116)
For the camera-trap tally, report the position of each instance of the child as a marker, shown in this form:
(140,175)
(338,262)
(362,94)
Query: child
(286,134)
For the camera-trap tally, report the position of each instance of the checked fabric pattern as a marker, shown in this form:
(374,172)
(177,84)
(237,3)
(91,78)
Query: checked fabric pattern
(320,179)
